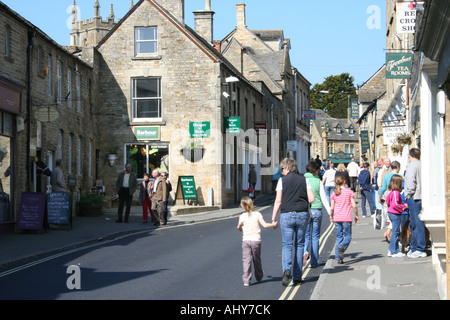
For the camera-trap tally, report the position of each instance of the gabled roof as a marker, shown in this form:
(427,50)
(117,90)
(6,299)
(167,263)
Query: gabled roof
(198,40)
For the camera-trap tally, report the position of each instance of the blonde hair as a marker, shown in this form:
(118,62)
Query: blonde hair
(340,182)
(341,167)
(247,204)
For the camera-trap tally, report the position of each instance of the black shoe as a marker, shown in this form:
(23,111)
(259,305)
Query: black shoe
(297,282)
(286,276)
(119,221)
(341,253)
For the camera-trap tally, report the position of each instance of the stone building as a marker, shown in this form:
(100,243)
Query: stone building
(264,56)
(158,78)
(429,126)
(333,139)
(370,95)
(46,109)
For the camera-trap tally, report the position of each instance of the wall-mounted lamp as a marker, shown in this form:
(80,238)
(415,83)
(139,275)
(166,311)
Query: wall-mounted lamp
(111,159)
(226,95)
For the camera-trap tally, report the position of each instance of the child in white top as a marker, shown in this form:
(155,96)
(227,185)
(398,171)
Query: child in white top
(249,223)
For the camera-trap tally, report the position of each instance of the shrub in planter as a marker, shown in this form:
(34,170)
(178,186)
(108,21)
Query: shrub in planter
(90,206)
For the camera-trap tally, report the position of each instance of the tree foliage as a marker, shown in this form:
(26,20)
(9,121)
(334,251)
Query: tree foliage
(336,101)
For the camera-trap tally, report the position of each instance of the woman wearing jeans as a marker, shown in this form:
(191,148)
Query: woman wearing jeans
(313,228)
(294,194)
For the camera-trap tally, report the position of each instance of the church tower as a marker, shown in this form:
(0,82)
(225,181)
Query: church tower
(88,33)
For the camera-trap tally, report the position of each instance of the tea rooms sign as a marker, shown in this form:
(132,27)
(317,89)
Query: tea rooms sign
(398,65)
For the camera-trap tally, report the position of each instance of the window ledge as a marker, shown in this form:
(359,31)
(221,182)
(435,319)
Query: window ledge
(147,57)
(148,123)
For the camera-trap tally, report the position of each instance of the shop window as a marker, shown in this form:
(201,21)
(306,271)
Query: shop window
(6,133)
(144,158)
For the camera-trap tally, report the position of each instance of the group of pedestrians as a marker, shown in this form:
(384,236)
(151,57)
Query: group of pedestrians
(301,199)
(153,195)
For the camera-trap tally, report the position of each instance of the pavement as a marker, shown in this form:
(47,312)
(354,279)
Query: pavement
(367,273)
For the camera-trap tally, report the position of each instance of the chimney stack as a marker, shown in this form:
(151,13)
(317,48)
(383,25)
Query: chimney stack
(176,7)
(240,13)
(204,22)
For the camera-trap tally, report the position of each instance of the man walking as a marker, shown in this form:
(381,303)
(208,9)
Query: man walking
(353,169)
(57,178)
(413,195)
(126,185)
(366,188)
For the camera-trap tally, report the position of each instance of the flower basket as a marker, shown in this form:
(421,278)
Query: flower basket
(397,149)
(193,155)
(193,152)
(404,139)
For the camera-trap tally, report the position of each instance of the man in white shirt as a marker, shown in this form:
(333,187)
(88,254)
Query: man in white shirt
(353,170)
(126,185)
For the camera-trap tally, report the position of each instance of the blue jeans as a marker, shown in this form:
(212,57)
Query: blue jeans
(343,236)
(313,229)
(418,241)
(366,194)
(329,192)
(293,229)
(396,220)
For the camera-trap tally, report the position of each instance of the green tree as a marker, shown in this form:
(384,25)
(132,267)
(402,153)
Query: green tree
(332,95)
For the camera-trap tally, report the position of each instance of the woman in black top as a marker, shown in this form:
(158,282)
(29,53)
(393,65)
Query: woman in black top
(294,195)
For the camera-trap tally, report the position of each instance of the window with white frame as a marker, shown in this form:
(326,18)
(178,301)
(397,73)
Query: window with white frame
(8,46)
(69,88)
(59,75)
(146,99)
(69,154)
(78,84)
(49,75)
(145,40)
(79,155)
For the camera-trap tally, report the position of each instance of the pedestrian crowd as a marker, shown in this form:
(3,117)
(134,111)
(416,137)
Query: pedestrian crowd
(394,202)
(153,195)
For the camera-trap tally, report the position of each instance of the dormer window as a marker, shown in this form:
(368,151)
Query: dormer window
(351,131)
(338,130)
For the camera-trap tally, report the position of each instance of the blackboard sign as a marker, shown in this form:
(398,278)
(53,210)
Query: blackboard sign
(59,208)
(186,188)
(32,214)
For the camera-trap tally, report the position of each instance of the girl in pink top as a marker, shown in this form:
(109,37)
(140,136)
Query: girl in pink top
(395,209)
(342,202)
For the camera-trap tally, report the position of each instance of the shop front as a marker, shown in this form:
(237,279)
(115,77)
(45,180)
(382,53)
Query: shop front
(10,107)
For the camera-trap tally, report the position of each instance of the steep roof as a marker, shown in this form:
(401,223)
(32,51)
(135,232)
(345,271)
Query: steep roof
(373,88)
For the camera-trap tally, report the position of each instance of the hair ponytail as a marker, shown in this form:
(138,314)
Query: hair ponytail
(339,181)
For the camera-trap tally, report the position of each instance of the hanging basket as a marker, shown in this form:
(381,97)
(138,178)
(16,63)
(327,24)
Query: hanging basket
(397,149)
(193,155)
(404,140)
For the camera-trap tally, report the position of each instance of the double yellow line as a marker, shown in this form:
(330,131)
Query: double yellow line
(293,289)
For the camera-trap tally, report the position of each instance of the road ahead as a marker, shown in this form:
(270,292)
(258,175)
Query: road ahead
(190,262)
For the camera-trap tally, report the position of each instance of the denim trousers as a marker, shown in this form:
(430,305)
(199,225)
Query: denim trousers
(343,236)
(313,236)
(396,220)
(418,241)
(328,193)
(251,253)
(366,194)
(293,228)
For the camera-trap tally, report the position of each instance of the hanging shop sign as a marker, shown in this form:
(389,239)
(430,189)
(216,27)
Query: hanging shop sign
(46,114)
(233,125)
(365,143)
(200,129)
(390,134)
(355,110)
(309,115)
(406,16)
(398,65)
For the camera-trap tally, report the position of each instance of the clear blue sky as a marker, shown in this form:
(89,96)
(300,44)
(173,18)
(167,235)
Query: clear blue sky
(328,37)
